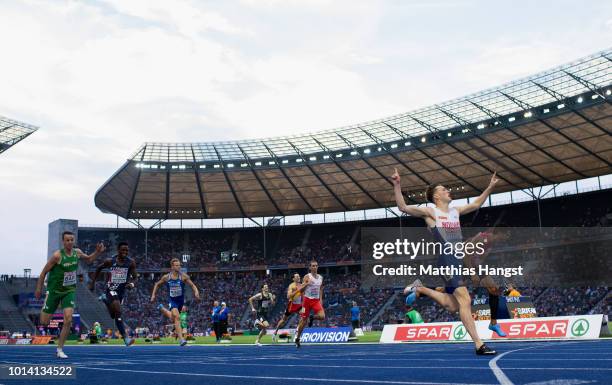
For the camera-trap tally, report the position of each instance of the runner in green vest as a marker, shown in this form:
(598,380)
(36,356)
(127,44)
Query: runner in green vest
(413,316)
(61,284)
(183,318)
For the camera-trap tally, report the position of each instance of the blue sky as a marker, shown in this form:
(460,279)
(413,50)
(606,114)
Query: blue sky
(101,78)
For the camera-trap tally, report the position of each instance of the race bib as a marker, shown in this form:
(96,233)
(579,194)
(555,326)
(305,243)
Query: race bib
(176,291)
(265,304)
(314,292)
(70,278)
(113,293)
(119,275)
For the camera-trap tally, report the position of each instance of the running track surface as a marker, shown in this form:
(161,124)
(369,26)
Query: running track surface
(535,363)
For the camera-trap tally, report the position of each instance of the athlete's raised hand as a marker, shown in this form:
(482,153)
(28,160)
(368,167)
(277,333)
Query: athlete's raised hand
(396,177)
(494,180)
(153,298)
(100,248)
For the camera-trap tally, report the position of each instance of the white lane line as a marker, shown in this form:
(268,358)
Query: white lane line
(280,378)
(499,374)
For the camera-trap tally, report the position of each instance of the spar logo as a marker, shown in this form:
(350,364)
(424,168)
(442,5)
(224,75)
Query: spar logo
(326,335)
(423,333)
(535,329)
(580,327)
(459,332)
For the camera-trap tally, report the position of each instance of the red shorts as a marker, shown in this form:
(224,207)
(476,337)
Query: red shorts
(293,308)
(309,304)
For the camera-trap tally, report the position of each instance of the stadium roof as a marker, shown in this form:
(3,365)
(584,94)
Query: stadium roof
(12,132)
(548,128)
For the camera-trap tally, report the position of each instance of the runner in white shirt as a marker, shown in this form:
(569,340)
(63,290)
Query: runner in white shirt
(445,226)
(312,287)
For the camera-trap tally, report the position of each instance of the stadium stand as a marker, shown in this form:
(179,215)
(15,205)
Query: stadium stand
(335,246)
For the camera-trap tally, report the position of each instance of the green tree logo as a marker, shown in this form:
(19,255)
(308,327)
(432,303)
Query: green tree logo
(459,332)
(580,327)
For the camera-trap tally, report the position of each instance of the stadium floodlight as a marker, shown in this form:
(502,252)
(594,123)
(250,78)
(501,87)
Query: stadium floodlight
(407,144)
(339,155)
(546,110)
(244,165)
(230,165)
(312,158)
(594,96)
(560,106)
(528,114)
(367,151)
(257,163)
(480,126)
(423,140)
(608,92)
(579,100)
(354,152)
(511,119)
(271,163)
(394,145)
(285,161)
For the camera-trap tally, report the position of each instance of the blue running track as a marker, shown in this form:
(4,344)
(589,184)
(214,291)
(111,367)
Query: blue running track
(536,363)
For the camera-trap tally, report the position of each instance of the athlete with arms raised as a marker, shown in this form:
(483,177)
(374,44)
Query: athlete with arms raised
(443,221)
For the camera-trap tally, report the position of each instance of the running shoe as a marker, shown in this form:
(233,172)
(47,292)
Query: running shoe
(129,341)
(484,350)
(498,330)
(59,353)
(411,298)
(183,342)
(297,342)
(257,343)
(412,287)
(275,338)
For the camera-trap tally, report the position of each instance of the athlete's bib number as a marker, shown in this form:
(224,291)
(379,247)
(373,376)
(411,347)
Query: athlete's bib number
(119,276)
(265,304)
(313,292)
(176,291)
(70,278)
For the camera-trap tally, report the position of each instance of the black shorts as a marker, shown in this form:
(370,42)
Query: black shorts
(452,282)
(111,296)
(261,318)
(355,324)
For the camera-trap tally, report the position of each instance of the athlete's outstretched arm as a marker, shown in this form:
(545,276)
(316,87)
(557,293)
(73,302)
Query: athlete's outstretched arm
(106,263)
(162,280)
(55,259)
(415,211)
(291,291)
(481,199)
(133,275)
(304,283)
(91,257)
(253,298)
(196,292)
